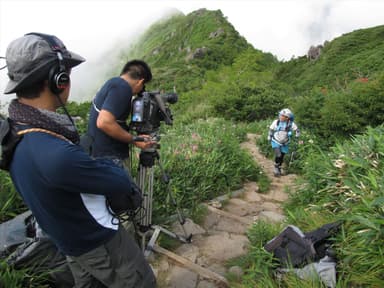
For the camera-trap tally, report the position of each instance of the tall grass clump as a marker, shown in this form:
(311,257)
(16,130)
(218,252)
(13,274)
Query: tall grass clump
(258,264)
(204,160)
(22,278)
(347,183)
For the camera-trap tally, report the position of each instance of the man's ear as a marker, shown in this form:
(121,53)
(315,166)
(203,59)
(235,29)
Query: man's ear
(140,83)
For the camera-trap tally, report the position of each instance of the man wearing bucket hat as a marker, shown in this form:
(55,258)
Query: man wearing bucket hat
(279,135)
(64,188)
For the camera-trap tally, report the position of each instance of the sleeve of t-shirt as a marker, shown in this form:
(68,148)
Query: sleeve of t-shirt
(118,100)
(76,172)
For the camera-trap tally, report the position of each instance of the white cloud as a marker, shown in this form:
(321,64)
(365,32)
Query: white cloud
(285,28)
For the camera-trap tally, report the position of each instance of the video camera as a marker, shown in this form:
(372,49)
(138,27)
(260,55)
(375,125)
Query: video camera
(148,109)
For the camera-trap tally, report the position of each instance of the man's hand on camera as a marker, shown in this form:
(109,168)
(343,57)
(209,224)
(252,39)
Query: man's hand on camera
(144,141)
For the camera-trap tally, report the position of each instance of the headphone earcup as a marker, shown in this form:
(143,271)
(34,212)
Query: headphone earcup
(58,80)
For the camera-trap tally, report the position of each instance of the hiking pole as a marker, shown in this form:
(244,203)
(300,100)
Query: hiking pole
(291,159)
(292,156)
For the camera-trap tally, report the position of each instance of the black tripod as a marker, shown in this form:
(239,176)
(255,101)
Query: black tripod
(145,180)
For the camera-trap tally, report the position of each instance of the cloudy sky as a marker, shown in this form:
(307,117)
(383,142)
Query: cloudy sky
(286,28)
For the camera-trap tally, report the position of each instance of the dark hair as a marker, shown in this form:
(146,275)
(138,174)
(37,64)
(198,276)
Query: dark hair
(137,69)
(32,91)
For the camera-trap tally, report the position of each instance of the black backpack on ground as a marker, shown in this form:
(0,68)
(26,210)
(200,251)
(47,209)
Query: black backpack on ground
(41,256)
(24,246)
(293,248)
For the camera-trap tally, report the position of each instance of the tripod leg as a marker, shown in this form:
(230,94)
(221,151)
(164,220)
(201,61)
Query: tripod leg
(181,218)
(151,243)
(145,181)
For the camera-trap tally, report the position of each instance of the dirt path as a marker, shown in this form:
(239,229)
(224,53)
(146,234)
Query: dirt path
(222,235)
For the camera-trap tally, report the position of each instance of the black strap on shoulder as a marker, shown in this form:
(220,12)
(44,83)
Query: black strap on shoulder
(288,127)
(8,140)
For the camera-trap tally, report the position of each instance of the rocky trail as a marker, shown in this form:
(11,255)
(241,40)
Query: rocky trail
(222,235)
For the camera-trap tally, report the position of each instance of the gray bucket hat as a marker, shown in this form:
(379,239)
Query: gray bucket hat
(29,59)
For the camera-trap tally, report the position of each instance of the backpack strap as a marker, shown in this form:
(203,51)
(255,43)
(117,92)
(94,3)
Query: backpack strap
(30,130)
(11,135)
(8,140)
(288,127)
(323,232)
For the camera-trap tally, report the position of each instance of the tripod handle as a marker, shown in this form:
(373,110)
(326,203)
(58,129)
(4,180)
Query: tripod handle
(139,139)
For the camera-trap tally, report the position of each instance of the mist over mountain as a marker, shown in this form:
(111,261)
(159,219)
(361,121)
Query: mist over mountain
(181,48)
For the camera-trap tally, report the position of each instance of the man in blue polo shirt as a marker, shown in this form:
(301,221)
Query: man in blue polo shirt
(64,187)
(110,110)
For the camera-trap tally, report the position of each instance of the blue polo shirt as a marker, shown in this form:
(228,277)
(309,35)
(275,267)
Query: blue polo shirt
(114,96)
(66,191)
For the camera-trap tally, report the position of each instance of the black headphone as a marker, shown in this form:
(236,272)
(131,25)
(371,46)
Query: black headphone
(58,77)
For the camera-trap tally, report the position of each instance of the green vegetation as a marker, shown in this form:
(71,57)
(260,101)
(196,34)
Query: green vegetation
(338,114)
(344,184)
(10,201)
(10,277)
(80,113)
(205,161)
(227,89)
(352,56)
(241,91)
(182,48)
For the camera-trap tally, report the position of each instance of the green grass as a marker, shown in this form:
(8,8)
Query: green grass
(204,160)
(11,203)
(344,184)
(21,278)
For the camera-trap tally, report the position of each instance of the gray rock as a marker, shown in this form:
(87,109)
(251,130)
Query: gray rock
(223,246)
(271,216)
(189,226)
(198,53)
(237,271)
(206,284)
(181,277)
(217,33)
(231,226)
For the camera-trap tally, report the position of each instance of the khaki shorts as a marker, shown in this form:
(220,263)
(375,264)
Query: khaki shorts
(116,264)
